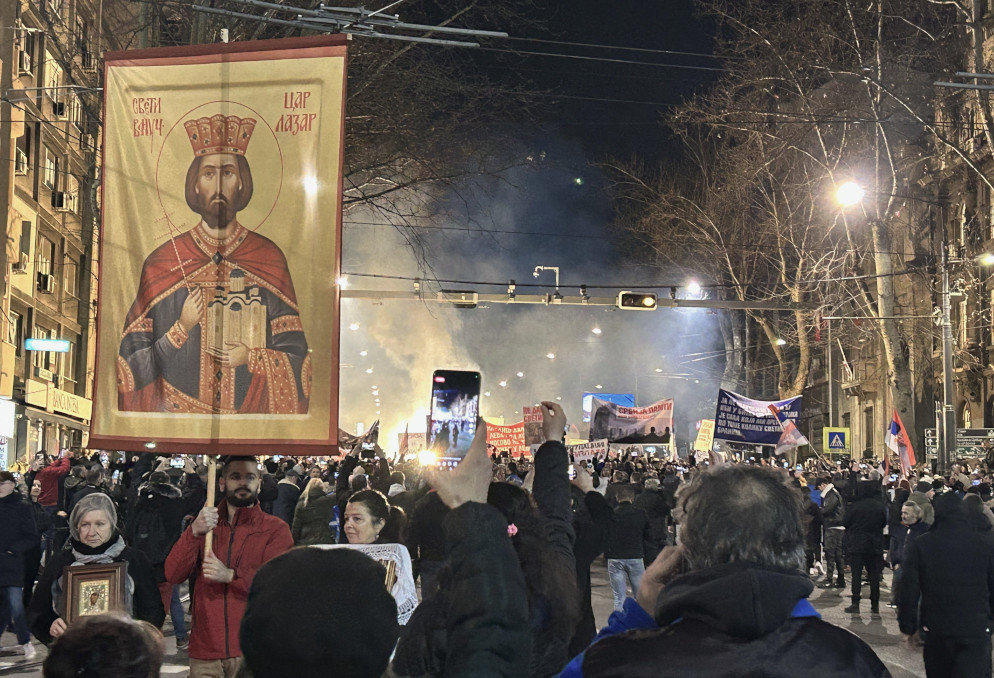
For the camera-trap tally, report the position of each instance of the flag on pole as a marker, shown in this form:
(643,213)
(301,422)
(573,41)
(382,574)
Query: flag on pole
(404,444)
(897,440)
(791,436)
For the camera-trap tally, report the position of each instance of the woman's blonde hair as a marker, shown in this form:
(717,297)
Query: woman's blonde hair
(312,483)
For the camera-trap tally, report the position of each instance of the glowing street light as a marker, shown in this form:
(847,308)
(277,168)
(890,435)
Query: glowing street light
(364,353)
(550,356)
(502,384)
(781,342)
(342,281)
(849,194)
(987,259)
(596,330)
(694,288)
(354,326)
(369,371)
(521,374)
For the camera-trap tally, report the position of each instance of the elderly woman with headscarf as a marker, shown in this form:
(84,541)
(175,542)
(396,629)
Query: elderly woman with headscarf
(94,539)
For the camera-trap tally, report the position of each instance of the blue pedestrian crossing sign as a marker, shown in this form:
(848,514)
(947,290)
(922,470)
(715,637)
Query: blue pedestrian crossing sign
(836,439)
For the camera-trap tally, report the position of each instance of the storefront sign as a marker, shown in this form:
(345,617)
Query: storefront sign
(51,399)
(71,404)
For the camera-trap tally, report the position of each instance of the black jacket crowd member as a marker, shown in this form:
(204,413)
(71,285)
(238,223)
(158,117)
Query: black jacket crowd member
(950,570)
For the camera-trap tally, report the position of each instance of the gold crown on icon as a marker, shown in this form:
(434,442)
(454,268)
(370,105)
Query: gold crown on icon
(220,134)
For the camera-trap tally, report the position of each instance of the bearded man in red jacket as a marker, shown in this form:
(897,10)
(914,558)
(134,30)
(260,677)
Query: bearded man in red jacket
(245,538)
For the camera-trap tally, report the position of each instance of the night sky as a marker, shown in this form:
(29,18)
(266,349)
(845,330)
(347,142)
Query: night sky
(621,127)
(553,212)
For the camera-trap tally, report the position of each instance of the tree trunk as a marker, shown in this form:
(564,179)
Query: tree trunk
(731,334)
(898,369)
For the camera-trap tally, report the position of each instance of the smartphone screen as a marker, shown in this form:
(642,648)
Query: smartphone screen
(177,462)
(455,404)
(116,475)
(572,472)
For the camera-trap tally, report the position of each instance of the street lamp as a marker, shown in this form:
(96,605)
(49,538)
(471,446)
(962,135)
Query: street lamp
(850,193)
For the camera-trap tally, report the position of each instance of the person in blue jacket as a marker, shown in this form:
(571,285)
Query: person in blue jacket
(732,598)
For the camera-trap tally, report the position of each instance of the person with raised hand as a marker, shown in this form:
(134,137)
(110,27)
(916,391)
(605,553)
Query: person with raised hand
(477,623)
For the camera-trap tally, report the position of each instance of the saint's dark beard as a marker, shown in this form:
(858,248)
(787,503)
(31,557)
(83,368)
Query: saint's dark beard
(217,212)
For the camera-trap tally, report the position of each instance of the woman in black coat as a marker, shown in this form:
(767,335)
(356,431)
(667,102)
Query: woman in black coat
(17,536)
(94,539)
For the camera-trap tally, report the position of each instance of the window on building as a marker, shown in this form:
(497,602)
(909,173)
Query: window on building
(50,168)
(26,55)
(69,362)
(72,194)
(53,77)
(25,245)
(847,422)
(14,330)
(70,276)
(83,43)
(42,359)
(22,154)
(75,112)
(46,255)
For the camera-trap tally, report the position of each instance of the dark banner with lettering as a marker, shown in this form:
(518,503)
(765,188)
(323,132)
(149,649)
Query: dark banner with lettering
(220,246)
(744,420)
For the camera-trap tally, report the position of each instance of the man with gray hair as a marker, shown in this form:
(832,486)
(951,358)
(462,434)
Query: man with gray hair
(732,598)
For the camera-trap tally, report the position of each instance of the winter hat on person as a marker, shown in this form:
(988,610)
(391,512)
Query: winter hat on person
(923,487)
(159,477)
(315,612)
(292,473)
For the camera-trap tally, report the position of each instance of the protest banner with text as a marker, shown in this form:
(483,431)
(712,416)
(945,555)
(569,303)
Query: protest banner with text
(744,420)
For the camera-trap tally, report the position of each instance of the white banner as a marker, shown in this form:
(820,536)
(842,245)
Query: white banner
(587,451)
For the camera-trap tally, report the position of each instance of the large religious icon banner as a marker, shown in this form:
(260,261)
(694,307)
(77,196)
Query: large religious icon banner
(220,249)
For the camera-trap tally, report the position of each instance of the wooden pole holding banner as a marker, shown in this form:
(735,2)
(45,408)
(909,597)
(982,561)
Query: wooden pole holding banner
(211,482)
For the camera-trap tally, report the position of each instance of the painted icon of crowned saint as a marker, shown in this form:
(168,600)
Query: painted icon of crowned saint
(215,327)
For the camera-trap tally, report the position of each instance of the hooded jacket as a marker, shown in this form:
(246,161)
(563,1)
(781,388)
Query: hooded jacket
(166,500)
(715,622)
(311,518)
(952,568)
(254,539)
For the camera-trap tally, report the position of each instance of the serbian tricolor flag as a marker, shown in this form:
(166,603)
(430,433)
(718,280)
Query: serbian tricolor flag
(791,436)
(897,440)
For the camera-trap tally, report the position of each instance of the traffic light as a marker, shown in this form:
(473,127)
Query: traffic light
(637,301)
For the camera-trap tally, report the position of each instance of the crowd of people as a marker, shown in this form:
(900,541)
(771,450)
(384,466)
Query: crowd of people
(313,565)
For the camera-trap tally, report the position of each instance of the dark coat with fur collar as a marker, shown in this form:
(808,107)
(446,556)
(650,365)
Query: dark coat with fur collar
(167,500)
